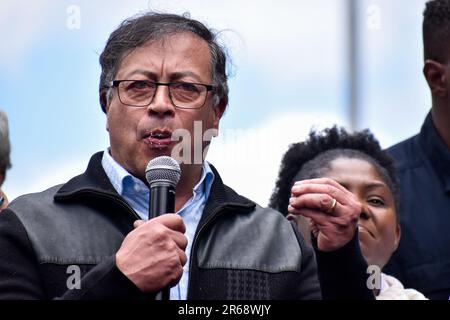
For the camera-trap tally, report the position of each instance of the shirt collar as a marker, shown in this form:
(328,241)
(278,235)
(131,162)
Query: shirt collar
(122,180)
(435,150)
(206,181)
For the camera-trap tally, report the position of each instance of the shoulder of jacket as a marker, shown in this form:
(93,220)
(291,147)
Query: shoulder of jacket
(406,154)
(261,239)
(67,232)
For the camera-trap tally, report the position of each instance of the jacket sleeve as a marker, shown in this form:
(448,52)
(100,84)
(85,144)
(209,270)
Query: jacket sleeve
(343,273)
(309,286)
(20,277)
(104,281)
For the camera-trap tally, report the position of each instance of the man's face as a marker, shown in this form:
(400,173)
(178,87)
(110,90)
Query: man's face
(139,134)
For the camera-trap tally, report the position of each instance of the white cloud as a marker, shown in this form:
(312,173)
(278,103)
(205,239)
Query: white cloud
(381,48)
(44,178)
(22,25)
(282,39)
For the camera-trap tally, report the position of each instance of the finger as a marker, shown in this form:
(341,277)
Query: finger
(177,278)
(322,202)
(332,191)
(327,197)
(321,220)
(326,185)
(291,217)
(324,181)
(321,181)
(313,227)
(179,238)
(172,221)
(318,217)
(138,223)
(183,257)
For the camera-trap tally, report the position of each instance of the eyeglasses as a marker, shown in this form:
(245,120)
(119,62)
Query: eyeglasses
(140,93)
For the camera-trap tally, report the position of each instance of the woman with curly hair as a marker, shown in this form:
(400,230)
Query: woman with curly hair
(357,162)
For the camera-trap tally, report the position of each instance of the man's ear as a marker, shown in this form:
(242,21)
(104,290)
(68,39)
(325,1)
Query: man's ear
(103,97)
(219,110)
(437,78)
(104,103)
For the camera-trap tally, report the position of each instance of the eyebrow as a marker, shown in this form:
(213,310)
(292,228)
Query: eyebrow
(376,185)
(369,186)
(173,76)
(146,73)
(182,74)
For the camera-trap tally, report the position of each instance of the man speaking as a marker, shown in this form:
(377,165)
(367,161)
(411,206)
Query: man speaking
(90,238)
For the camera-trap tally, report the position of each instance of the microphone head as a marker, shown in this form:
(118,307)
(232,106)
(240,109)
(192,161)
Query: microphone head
(163,169)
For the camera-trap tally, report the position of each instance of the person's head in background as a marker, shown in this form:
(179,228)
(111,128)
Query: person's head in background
(357,162)
(436,43)
(5,150)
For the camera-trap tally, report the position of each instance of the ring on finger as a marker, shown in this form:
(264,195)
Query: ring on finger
(333,206)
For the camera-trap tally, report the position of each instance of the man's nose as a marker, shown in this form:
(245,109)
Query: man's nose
(162,104)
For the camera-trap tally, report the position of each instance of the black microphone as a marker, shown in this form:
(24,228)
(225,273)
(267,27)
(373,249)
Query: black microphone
(162,174)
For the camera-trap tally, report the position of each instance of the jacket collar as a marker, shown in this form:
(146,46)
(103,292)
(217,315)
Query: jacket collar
(94,179)
(435,150)
(223,197)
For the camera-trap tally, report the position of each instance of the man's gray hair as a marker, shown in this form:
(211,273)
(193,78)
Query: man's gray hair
(136,31)
(5,146)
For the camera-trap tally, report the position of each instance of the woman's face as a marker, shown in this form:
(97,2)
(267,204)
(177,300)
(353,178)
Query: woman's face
(379,233)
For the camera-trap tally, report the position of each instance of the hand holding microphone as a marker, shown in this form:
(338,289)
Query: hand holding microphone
(152,255)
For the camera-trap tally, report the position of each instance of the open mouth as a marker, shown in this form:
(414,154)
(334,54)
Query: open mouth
(159,138)
(157,134)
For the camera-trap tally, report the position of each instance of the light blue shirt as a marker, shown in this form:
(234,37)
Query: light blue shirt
(136,194)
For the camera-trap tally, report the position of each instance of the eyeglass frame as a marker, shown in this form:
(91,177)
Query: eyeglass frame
(116,83)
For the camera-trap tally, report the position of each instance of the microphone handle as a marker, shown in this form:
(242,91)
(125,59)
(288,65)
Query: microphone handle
(162,201)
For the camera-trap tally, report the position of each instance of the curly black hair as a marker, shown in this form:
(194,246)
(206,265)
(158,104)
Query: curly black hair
(312,158)
(436,30)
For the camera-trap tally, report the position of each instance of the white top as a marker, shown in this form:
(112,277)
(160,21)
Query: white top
(392,289)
